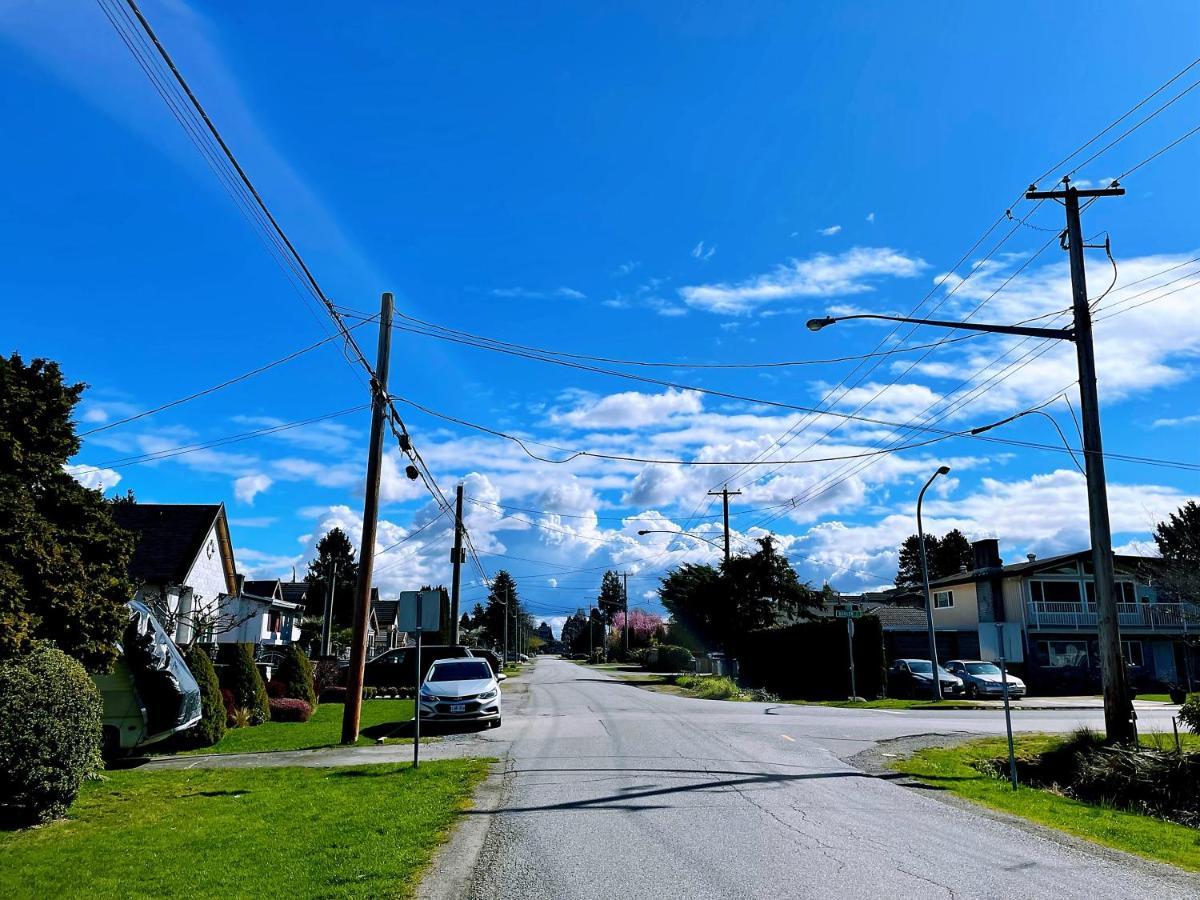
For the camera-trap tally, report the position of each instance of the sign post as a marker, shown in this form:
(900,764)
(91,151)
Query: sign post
(1012,760)
(418,611)
(849,612)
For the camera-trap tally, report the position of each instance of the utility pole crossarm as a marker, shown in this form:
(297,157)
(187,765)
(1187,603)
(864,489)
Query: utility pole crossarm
(1089,192)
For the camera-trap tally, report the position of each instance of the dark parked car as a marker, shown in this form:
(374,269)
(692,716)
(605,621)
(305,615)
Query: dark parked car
(397,668)
(914,678)
(492,657)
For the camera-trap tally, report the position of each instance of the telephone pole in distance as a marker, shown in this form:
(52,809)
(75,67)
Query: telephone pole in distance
(725,493)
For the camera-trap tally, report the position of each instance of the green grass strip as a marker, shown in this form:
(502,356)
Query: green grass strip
(363,831)
(952,770)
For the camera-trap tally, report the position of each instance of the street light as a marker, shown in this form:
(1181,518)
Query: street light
(1119,722)
(681,534)
(933,658)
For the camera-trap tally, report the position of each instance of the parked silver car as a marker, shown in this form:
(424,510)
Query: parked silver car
(983,679)
(461,690)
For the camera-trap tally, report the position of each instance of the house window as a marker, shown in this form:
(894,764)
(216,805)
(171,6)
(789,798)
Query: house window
(943,599)
(1133,652)
(1065,654)
(275,621)
(1124,589)
(1054,591)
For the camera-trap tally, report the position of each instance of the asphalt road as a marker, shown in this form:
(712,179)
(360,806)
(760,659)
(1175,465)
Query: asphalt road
(611,790)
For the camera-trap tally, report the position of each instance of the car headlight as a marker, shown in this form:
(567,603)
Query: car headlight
(488,695)
(426,691)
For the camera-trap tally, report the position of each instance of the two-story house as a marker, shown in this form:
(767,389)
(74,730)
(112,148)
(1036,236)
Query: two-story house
(1044,611)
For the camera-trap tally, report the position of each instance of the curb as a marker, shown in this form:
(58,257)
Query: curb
(452,871)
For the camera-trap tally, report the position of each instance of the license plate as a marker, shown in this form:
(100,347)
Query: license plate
(458,707)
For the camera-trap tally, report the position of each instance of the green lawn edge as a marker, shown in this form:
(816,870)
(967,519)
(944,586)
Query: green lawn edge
(949,768)
(353,831)
(324,729)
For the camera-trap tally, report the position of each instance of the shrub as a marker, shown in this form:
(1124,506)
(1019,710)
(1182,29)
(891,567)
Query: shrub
(1189,713)
(326,673)
(811,660)
(669,658)
(296,673)
(289,709)
(276,689)
(241,718)
(211,727)
(50,728)
(333,694)
(242,677)
(716,687)
(370,693)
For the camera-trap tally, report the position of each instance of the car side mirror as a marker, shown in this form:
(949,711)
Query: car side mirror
(502,677)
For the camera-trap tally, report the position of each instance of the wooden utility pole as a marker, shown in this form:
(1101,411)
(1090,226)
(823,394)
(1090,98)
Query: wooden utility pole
(1119,721)
(725,493)
(457,560)
(366,553)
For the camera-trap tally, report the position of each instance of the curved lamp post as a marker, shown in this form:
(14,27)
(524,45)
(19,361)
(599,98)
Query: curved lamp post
(933,658)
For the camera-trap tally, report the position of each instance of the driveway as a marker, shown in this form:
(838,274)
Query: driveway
(611,790)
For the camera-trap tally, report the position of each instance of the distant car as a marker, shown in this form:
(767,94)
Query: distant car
(914,678)
(461,690)
(397,667)
(983,679)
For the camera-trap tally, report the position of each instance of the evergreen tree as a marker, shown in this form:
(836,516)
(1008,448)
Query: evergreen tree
(211,727)
(335,547)
(612,596)
(946,555)
(502,600)
(63,560)
(296,673)
(571,629)
(241,676)
(1178,540)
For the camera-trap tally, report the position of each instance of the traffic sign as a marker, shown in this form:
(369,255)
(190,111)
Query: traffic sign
(848,611)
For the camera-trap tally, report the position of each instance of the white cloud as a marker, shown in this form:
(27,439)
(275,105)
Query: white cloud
(1173,423)
(830,231)
(93,478)
(703,253)
(524,293)
(823,275)
(871,218)
(630,409)
(248,487)
(625,268)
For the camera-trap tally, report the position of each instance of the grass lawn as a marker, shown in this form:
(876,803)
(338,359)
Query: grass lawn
(951,770)
(324,729)
(365,831)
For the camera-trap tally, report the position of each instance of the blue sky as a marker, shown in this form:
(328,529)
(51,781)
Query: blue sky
(665,182)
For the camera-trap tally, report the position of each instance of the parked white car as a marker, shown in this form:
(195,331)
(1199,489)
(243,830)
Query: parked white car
(983,679)
(461,690)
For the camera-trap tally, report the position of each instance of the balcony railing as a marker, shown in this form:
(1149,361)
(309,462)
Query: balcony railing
(1170,617)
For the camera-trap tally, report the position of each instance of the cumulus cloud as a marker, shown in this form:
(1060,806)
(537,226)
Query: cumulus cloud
(94,478)
(629,409)
(248,487)
(855,271)
(1174,423)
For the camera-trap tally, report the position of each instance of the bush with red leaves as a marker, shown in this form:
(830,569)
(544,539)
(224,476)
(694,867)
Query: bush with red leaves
(289,709)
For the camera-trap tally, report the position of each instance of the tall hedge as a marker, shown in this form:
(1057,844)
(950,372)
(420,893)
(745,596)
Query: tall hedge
(296,673)
(211,727)
(242,677)
(811,661)
(50,721)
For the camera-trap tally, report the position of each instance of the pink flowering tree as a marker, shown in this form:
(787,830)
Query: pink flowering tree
(642,626)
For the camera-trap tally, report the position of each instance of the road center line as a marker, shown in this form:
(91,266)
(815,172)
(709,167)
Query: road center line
(786,738)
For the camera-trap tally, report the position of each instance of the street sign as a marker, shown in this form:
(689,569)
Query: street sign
(847,611)
(430,614)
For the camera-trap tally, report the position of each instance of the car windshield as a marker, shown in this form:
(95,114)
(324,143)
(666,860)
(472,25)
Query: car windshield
(982,669)
(467,670)
(920,666)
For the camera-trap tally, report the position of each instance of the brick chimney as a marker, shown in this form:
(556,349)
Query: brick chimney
(988,591)
(987,553)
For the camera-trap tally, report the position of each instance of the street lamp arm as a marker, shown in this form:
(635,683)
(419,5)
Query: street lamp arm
(681,534)
(1061,334)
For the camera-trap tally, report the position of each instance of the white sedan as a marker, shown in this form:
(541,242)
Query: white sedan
(461,690)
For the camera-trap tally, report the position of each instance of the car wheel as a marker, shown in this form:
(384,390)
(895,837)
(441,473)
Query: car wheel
(972,692)
(495,723)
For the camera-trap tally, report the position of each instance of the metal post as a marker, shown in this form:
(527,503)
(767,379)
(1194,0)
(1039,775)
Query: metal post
(327,619)
(458,552)
(1012,758)
(366,554)
(507,603)
(850,647)
(625,599)
(933,659)
(417,695)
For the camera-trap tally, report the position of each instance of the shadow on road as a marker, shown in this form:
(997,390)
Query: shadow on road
(620,799)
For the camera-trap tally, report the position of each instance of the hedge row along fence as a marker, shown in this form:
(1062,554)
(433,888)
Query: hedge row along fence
(811,660)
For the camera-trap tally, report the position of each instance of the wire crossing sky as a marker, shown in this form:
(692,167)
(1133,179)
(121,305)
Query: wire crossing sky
(605,229)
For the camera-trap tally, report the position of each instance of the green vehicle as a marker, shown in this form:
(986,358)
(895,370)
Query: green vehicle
(150,693)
